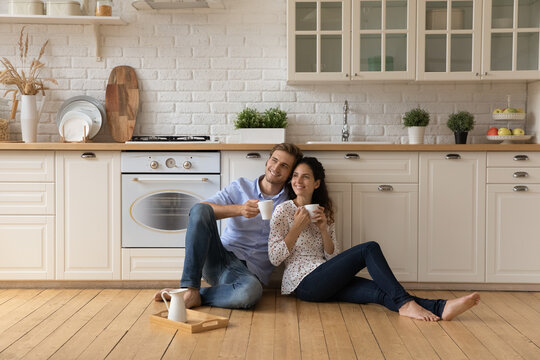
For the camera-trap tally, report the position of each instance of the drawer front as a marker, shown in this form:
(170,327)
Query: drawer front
(513,159)
(29,166)
(351,166)
(513,176)
(152,264)
(26,199)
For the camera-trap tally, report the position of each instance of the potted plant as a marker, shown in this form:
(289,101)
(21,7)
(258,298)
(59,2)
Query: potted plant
(257,128)
(416,121)
(460,123)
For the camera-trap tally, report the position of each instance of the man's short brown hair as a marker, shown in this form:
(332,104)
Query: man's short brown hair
(290,149)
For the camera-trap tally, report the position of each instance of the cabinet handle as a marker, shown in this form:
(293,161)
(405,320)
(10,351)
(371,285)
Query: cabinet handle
(385,188)
(355,74)
(452,156)
(520,188)
(485,74)
(520,174)
(521,158)
(352,156)
(253,156)
(477,74)
(88,155)
(346,75)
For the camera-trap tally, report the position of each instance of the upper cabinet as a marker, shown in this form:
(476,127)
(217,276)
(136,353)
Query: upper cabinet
(405,40)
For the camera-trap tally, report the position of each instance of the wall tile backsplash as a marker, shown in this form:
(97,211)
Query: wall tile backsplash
(198,68)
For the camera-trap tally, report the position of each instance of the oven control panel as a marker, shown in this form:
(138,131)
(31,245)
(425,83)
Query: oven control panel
(171,162)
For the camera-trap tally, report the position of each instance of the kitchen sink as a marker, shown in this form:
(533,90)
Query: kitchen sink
(349,142)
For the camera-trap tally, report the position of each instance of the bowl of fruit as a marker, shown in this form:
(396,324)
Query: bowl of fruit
(509,113)
(507,135)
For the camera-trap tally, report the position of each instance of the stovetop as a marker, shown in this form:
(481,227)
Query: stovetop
(168,138)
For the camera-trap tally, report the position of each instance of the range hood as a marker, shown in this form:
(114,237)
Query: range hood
(177,4)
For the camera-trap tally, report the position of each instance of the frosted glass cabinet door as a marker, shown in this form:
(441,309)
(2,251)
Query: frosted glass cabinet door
(383,39)
(511,38)
(449,40)
(318,39)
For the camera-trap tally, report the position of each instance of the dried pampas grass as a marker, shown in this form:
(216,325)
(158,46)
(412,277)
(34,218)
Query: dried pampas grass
(26,83)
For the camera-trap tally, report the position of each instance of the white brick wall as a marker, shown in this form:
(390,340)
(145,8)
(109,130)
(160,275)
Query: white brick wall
(197,69)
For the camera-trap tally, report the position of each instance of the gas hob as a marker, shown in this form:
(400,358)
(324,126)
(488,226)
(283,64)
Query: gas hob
(170,138)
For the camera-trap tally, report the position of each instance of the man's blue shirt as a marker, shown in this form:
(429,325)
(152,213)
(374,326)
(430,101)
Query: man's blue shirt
(248,238)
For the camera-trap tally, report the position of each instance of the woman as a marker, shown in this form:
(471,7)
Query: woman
(316,271)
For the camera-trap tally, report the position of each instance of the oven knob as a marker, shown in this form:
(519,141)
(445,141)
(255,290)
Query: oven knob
(170,163)
(154,165)
(186,165)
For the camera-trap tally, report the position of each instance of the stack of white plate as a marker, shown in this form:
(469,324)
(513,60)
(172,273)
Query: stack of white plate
(80,117)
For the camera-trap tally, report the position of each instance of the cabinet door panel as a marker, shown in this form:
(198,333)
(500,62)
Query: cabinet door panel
(26,166)
(88,216)
(452,217)
(341,198)
(27,244)
(389,218)
(26,199)
(152,264)
(512,234)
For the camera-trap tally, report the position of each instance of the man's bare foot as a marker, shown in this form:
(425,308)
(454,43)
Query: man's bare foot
(454,307)
(192,298)
(415,311)
(157,296)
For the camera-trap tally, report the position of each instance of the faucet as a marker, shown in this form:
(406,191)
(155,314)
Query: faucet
(345,129)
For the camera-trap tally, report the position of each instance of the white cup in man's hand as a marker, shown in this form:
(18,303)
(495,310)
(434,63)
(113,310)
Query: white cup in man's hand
(311,210)
(266,207)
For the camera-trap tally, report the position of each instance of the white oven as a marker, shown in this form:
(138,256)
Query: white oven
(159,189)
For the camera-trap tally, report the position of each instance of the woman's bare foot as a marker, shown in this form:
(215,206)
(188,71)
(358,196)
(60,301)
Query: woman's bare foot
(454,307)
(415,311)
(157,296)
(192,298)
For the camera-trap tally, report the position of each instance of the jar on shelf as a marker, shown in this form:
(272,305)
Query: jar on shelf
(104,8)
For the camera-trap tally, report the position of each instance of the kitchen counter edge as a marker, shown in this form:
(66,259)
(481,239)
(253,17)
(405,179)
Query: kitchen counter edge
(262,147)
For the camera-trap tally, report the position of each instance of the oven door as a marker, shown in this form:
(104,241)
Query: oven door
(155,207)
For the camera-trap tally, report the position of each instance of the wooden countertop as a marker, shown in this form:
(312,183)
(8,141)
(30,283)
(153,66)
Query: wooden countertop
(262,147)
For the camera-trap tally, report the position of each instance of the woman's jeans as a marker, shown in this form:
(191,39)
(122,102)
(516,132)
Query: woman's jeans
(336,280)
(233,285)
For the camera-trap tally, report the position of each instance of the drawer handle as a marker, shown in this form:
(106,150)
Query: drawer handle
(88,155)
(352,156)
(253,156)
(520,174)
(521,158)
(520,188)
(452,156)
(385,188)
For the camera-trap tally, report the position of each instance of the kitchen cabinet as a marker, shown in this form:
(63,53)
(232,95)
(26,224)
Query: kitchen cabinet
(27,215)
(451,234)
(351,39)
(152,264)
(513,205)
(472,39)
(88,215)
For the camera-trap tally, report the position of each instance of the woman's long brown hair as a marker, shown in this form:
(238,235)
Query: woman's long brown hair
(320,195)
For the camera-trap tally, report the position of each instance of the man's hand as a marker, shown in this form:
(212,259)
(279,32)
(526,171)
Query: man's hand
(250,208)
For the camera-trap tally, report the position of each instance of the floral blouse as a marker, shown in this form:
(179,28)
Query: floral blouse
(308,252)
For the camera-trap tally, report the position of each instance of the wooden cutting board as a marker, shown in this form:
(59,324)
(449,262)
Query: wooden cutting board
(122,102)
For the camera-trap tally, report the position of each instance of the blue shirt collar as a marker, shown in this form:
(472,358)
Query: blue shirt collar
(260,193)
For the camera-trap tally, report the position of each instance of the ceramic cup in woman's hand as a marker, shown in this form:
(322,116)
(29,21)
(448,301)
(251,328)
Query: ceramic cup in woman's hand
(311,210)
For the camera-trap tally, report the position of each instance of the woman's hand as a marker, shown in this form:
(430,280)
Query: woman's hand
(301,219)
(320,218)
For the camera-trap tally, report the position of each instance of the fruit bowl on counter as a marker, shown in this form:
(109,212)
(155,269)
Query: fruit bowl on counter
(509,116)
(508,139)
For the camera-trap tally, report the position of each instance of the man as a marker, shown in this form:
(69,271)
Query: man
(235,264)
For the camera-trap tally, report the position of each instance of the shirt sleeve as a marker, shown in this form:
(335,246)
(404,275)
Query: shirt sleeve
(332,231)
(279,228)
(223,197)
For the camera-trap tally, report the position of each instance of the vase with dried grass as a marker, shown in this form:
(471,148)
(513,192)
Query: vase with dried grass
(28,83)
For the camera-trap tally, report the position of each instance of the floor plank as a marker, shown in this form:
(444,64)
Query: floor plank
(286,337)
(531,299)
(337,338)
(237,335)
(311,332)
(261,337)
(362,338)
(209,343)
(18,298)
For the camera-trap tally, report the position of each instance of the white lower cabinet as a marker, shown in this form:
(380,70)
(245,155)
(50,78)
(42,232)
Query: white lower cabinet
(27,215)
(236,164)
(88,215)
(513,208)
(451,234)
(152,264)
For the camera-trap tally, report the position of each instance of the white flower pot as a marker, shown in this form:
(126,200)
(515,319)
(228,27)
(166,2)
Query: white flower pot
(416,134)
(262,136)
(30,117)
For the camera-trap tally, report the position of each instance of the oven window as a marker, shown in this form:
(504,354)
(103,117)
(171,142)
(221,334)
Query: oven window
(164,211)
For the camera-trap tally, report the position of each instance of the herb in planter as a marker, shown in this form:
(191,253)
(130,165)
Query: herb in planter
(416,117)
(462,121)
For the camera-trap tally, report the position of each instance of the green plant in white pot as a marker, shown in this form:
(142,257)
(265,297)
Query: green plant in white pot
(461,123)
(415,121)
(257,128)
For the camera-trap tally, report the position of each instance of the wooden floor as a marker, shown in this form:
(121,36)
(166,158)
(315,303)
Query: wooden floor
(114,324)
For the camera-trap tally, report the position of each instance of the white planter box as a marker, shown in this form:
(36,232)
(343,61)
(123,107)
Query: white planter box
(262,136)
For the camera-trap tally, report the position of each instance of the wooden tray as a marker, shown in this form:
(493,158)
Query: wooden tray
(196,321)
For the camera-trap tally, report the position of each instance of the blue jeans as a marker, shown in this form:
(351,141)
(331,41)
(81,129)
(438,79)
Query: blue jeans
(336,280)
(233,285)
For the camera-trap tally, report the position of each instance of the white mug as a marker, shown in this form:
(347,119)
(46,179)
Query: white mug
(177,308)
(311,208)
(266,207)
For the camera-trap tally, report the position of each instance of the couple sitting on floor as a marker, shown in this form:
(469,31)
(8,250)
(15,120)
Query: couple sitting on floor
(236,263)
